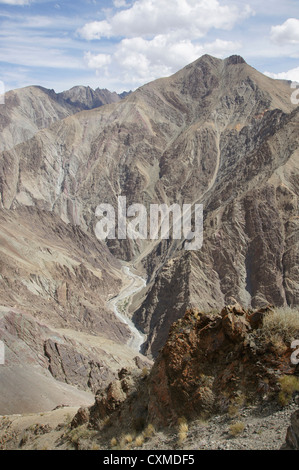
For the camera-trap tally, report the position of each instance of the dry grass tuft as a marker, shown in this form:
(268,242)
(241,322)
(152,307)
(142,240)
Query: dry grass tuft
(149,431)
(282,324)
(289,385)
(139,441)
(144,372)
(183,430)
(113,443)
(236,429)
(128,438)
(81,433)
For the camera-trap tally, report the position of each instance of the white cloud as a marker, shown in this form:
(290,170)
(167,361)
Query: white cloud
(162,51)
(16,2)
(138,60)
(120,3)
(184,18)
(292,75)
(155,38)
(97,61)
(93,31)
(286,33)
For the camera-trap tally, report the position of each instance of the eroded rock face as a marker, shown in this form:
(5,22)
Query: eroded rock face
(66,364)
(109,400)
(46,367)
(30,109)
(217,132)
(58,273)
(209,363)
(81,97)
(211,360)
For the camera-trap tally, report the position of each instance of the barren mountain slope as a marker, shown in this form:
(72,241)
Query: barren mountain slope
(54,285)
(217,133)
(250,249)
(29,109)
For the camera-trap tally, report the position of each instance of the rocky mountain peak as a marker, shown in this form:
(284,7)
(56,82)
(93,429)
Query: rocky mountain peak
(87,98)
(235,60)
(29,109)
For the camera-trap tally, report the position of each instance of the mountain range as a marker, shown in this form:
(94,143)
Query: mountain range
(216,133)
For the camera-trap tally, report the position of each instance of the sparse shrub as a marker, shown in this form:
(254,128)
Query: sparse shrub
(182,420)
(281,325)
(233,410)
(95,447)
(113,442)
(240,400)
(139,441)
(184,427)
(80,433)
(182,438)
(149,431)
(144,372)
(183,430)
(125,441)
(236,405)
(128,438)
(236,428)
(289,385)
(104,422)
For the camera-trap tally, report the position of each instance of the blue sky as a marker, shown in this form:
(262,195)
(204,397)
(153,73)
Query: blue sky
(122,44)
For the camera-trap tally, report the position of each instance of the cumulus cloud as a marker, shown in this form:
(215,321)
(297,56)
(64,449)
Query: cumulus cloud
(286,33)
(154,38)
(165,53)
(183,18)
(120,3)
(139,60)
(97,61)
(292,75)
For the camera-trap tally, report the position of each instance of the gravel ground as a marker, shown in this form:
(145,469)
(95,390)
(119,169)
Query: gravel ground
(264,429)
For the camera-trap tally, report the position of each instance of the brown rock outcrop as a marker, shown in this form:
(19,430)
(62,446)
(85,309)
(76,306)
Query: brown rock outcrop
(209,363)
(109,400)
(209,360)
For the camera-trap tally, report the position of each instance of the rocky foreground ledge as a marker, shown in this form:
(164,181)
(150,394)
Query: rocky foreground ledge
(213,364)
(222,381)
